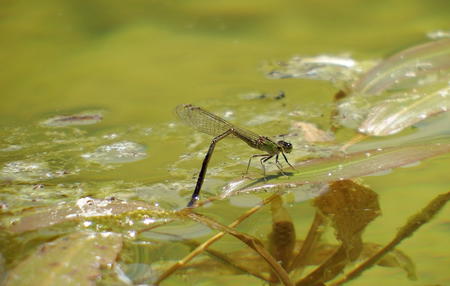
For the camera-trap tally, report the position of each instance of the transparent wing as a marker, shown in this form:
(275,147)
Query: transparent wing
(209,123)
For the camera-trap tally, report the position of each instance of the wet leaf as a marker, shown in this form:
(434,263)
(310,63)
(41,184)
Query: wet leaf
(36,218)
(318,171)
(395,114)
(425,131)
(402,90)
(74,259)
(407,68)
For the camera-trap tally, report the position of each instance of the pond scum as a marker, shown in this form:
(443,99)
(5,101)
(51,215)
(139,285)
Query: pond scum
(89,241)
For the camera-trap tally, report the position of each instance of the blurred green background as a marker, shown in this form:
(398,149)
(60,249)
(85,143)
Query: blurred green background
(138,59)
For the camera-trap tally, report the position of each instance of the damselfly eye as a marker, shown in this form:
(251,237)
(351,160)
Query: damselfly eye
(285,146)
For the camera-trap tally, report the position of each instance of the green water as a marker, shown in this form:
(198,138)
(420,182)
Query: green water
(135,61)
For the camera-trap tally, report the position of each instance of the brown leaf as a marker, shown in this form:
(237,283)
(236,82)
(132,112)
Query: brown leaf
(282,237)
(84,118)
(350,207)
(312,133)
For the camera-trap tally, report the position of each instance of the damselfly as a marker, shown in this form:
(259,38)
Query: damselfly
(211,124)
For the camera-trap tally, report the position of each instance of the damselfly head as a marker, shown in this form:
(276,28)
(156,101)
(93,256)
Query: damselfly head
(286,147)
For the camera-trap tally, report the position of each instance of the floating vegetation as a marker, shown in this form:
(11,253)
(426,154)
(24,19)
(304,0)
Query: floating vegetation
(84,118)
(25,171)
(393,115)
(400,91)
(116,153)
(261,95)
(336,69)
(69,260)
(36,218)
